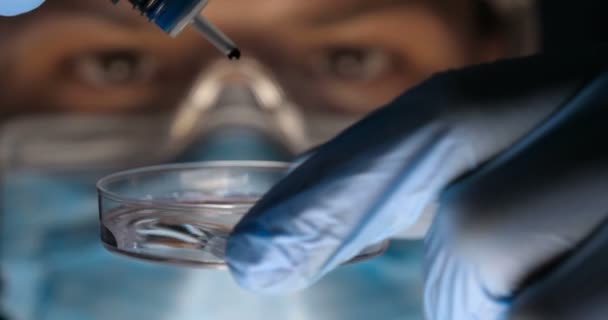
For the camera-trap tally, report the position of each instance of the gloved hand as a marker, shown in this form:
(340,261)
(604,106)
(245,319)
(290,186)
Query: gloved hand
(513,152)
(15,7)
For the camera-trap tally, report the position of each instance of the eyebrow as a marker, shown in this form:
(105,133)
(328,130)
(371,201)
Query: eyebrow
(355,10)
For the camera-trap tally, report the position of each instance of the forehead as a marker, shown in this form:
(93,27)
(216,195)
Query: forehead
(245,7)
(274,14)
(57,10)
(272,10)
(265,6)
(229,12)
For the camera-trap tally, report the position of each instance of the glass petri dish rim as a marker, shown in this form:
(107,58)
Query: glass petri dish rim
(254,164)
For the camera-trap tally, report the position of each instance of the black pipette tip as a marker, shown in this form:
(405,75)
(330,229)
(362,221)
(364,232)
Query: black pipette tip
(234,54)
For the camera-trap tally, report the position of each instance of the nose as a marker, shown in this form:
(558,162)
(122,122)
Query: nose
(237,112)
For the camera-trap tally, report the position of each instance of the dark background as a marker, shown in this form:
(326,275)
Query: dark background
(566,24)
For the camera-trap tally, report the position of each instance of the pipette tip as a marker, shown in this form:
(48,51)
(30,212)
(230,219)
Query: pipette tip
(234,54)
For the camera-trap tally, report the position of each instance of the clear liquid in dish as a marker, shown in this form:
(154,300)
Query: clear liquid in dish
(194,237)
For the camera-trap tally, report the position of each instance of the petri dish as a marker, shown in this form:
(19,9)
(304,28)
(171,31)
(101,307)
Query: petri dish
(183,214)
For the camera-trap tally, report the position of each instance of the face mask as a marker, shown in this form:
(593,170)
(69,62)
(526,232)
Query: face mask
(55,269)
(53,265)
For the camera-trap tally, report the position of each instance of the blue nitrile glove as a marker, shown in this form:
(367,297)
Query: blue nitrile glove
(15,7)
(523,201)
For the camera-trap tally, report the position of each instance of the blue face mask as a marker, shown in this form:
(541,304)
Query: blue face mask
(54,267)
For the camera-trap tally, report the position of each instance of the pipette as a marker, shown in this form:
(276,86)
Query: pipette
(172,16)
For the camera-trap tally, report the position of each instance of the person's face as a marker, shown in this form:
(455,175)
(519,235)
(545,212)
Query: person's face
(351,55)
(346,56)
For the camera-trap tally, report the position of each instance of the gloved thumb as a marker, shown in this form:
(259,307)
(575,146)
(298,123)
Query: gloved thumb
(332,205)
(16,7)
(378,176)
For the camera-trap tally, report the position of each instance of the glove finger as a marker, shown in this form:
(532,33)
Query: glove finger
(334,205)
(379,175)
